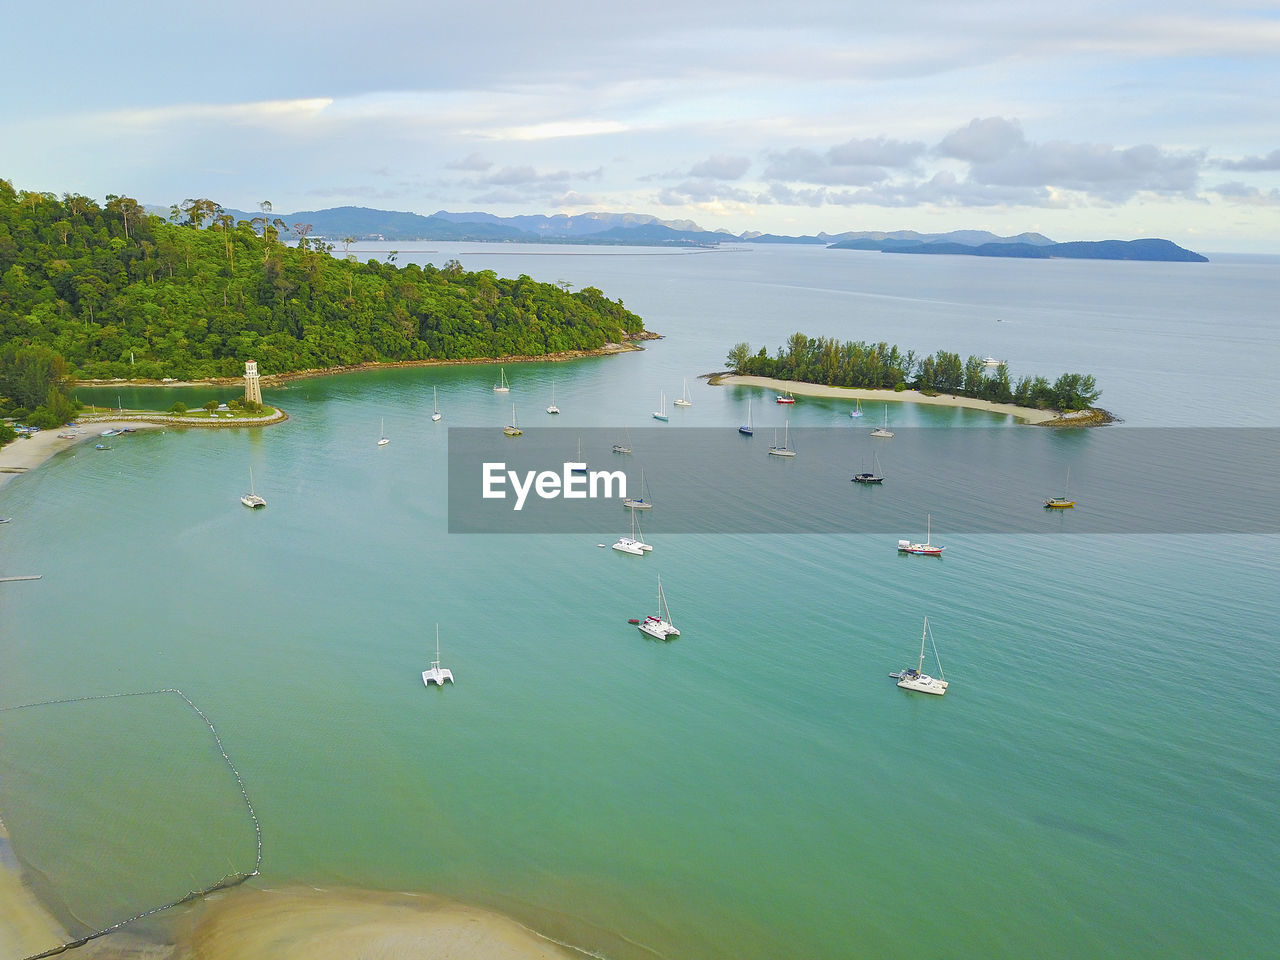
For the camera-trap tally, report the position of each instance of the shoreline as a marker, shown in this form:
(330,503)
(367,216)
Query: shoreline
(272,379)
(23,455)
(1030,415)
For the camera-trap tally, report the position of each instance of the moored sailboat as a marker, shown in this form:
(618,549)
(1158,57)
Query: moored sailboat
(914,678)
(659,625)
(926,549)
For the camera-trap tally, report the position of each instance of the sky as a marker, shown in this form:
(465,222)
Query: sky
(1086,120)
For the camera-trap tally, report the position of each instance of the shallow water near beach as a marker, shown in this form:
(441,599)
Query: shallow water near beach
(757,788)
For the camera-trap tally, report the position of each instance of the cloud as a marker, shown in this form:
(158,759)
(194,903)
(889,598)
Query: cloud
(875,152)
(553,130)
(801,165)
(720,168)
(982,141)
(472,161)
(1270,162)
(1242,193)
(515,176)
(703,191)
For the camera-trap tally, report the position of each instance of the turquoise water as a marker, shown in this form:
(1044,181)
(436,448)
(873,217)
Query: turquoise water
(1099,780)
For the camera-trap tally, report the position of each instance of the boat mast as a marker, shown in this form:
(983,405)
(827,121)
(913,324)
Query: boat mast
(923,633)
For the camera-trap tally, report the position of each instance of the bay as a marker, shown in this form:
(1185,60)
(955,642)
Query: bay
(759,787)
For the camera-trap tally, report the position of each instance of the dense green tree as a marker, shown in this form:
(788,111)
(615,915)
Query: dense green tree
(120,293)
(884,366)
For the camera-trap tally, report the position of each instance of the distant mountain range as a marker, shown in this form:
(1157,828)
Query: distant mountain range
(362,223)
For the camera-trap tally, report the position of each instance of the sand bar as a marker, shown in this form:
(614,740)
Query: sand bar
(1026,414)
(302,923)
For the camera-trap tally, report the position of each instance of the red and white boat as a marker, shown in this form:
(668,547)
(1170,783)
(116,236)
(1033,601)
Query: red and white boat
(785,397)
(926,549)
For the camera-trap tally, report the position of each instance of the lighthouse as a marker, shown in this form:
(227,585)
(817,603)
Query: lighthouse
(252,382)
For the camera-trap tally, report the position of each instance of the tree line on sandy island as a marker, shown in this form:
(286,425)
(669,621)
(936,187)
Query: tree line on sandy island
(881,366)
(118,292)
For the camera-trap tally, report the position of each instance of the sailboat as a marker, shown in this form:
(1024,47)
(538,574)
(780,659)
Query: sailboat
(641,502)
(435,673)
(1061,503)
(435,405)
(926,549)
(785,397)
(553,408)
(251,499)
(581,466)
(784,450)
(382,433)
(684,400)
(874,476)
(633,544)
(661,412)
(914,678)
(746,429)
(512,429)
(659,626)
(884,431)
(857,410)
(501,386)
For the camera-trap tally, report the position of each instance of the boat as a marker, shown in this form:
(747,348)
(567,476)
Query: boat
(785,397)
(382,433)
(991,362)
(512,429)
(914,678)
(857,409)
(659,626)
(746,429)
(926,549)
(501,386)
(553,408)
(684,400)
(435,673)
(661,412)
(1061,503)
(784,450)
(872,477)
(435,405)
(641,502)
(101,446)
(633,544)
(582,467)
(883,432)
(109,433)
(251,499)
(6,520)
(621,448)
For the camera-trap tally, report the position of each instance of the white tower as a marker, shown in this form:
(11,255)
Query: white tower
(252,383)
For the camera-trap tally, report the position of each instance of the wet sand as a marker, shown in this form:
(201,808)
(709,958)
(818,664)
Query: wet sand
(301,923)
(1027,414)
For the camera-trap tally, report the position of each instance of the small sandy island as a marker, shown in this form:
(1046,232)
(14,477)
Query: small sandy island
(1026,414)
(300,923)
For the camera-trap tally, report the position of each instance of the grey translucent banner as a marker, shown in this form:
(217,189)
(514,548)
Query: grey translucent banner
(966,480)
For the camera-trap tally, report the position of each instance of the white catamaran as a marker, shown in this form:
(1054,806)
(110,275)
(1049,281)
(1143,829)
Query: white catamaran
(659,626)
(435,673)
(913,678)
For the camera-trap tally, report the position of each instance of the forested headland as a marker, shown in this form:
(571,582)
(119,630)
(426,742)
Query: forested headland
(881,366)
(116,292)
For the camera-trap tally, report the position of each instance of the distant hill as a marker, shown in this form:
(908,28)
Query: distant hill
(363,223)
(1150,249)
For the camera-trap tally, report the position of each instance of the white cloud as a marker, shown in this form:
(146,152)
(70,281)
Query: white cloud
(720,168)
(1269,162)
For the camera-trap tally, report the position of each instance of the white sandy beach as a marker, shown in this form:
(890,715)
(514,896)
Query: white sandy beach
(28,453)
(1026,414)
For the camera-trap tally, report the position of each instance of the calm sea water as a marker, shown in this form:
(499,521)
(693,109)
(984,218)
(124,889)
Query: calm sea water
(1100,779)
